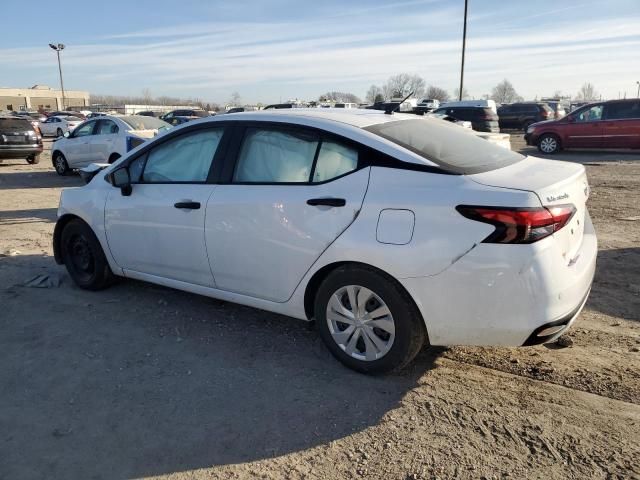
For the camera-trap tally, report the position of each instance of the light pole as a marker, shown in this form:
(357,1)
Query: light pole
(464,41)
(638,95)
(57,48)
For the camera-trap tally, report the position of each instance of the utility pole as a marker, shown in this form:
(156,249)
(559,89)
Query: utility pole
(58,48)
(464,43)
(638,94)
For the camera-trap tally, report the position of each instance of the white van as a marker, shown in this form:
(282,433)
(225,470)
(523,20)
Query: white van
(473,103)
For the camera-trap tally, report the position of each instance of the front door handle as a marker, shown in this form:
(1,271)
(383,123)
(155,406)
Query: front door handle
(328,202)
(187,205)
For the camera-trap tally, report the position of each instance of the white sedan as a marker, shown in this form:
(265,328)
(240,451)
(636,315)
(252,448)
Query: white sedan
(390,231)
(58,126)
(103,140)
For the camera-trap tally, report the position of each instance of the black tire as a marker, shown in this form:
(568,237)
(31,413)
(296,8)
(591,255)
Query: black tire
(33,159)
(59,132)
(84,258)
(60,164)
(549,144)
(113,157)
(410,332)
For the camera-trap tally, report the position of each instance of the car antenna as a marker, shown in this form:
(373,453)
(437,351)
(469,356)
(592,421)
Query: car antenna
(389,110)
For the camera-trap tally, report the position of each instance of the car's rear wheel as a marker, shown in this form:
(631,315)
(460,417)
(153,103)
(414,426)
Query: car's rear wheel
(33,159)
(60,163)
(84,258)
(367,320)
(59,132)
(548,144)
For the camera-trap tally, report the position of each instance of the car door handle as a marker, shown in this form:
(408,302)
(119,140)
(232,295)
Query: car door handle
(328,202)
(187,205)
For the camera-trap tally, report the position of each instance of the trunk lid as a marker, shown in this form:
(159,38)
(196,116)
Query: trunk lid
(555,183)
(145,133)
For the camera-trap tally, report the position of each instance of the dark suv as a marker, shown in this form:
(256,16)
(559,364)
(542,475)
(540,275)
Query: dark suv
(19,139)
(521,115)
(190,112)
(482,119)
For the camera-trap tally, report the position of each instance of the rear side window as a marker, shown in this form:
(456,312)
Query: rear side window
(186,158)
(623,110)
(14,125)
(275,156)
(447,145)
(333,161)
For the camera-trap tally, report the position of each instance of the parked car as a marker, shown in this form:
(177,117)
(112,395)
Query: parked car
(103,140)
(179,120)
(66,114)
(19,139)
(461,123)
(190,112)
(235,110)
(482,119)
(58,126)
(557,107)
(428,104)
(149,113)
(345,105)
(390,231)
(521,115)
(471,103)
(280,106)
(96,115)
(612,124)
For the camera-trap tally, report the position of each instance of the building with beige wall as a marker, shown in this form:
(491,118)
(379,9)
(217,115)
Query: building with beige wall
(41,97)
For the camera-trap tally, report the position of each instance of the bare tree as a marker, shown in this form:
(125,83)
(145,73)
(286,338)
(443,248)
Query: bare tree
(146,96)
(342,97)
(373,93)
(403,84)
(436,93)
(587,93)
(465,93)
(504,92)
(235,99)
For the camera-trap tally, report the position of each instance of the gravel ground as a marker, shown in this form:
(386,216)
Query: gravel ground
(143,381)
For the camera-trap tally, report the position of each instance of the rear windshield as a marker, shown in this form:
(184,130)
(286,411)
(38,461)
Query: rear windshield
(199,113)
(447,145)
(13,125)
(140,122)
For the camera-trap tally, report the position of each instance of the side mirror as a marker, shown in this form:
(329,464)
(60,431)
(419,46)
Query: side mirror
(66,134)
(120,178)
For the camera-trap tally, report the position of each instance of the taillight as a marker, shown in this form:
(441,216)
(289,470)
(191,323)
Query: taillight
(519,225)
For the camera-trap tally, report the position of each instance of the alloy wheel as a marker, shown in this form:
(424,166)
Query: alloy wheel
(60,164)
(548,145)
(360,323)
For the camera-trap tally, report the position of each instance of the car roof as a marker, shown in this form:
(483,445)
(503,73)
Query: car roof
(355,117)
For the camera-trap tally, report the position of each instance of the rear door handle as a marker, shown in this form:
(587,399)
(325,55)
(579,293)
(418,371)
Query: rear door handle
(328,202)
(187,205)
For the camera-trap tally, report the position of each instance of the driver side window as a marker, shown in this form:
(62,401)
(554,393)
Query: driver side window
(186,158)
(84,130)
(592,114)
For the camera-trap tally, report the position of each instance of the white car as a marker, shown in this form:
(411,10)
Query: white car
(429,104)
(103,140)
(390,231)
(58,126)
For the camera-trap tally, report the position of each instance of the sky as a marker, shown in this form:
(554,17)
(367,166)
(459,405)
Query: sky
(275,50)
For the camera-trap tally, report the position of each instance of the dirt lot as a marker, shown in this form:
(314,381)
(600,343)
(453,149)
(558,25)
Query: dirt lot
(142,381)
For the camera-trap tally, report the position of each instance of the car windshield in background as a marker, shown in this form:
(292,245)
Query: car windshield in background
(446,145)
(14,125)
(139,122)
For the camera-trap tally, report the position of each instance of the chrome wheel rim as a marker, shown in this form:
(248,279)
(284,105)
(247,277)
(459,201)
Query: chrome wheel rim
(548,145)
(360,323)
(60,167)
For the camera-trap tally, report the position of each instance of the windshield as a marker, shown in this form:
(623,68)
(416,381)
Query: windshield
(140,122)
(447,145)
(14,125)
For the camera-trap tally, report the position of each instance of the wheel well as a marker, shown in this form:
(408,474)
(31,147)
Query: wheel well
(321,274)
(57,235)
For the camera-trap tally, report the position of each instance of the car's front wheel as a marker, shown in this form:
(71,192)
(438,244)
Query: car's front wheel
(367,320)
(84,258)
(548,144)
(60,164)
(33,159)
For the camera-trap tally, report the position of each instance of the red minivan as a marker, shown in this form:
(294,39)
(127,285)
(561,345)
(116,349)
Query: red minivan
(612,124)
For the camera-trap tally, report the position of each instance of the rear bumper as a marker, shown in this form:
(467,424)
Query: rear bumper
(19,151)
(495,295)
